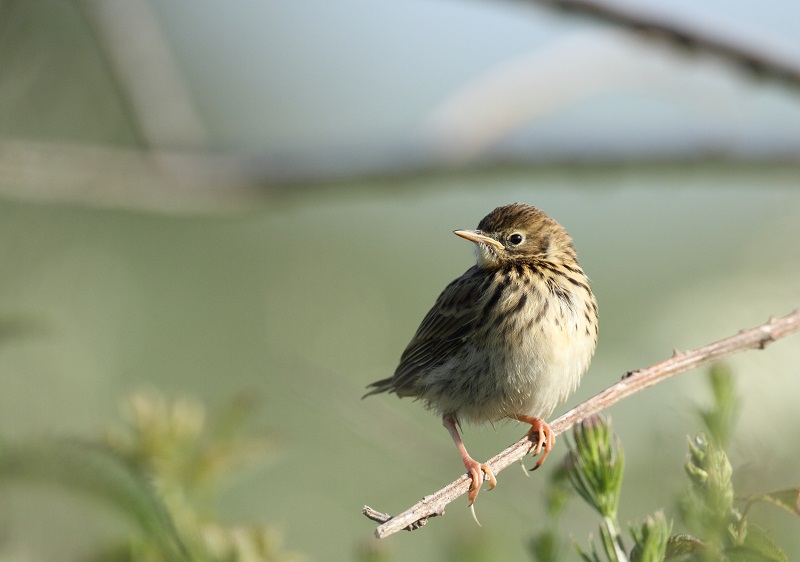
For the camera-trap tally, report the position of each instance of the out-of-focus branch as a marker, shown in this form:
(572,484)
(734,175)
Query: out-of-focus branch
(204,182)
(161,181)
(755,58)
(141,60)
(633,382)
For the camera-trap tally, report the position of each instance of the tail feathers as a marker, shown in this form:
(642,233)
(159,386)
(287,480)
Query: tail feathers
(383,385)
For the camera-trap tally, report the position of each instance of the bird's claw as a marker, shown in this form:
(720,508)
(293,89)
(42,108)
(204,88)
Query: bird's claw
(543,441)
(476,472)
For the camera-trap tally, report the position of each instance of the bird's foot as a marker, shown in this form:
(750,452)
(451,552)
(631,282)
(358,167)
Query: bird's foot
(475,469)
(476,472)
(541,438)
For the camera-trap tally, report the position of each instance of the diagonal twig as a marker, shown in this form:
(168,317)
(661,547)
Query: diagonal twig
(633,382)
(755,57)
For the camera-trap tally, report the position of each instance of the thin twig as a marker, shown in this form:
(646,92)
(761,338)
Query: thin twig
(755,58)
(632,382)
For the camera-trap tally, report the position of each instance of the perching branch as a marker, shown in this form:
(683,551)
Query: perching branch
(632,382)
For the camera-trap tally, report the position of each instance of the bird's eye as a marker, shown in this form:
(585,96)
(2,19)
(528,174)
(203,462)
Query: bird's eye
(516,239)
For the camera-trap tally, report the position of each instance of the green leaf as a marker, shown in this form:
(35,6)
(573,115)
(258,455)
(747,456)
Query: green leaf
(757,547)
(683,548)
(588,556)
(788,499)
(98,472)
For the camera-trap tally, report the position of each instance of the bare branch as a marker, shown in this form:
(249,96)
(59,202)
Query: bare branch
(112,177)
(632,382)
(754,57)
(139,55)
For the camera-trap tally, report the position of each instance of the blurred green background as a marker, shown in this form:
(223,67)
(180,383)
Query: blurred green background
(214,200)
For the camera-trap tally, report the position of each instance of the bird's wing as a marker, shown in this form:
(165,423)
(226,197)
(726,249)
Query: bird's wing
(442,332)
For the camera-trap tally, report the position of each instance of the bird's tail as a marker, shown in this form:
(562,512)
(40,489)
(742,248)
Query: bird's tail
(383,385)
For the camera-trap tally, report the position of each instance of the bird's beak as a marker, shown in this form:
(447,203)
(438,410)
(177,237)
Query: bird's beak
(478,237)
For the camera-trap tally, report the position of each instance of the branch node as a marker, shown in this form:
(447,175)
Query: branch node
(765,341)
(382,518)
(375,515)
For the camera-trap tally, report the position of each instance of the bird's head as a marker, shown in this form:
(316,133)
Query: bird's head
(519,233)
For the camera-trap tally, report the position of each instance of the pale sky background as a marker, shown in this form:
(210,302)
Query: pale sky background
(311,74)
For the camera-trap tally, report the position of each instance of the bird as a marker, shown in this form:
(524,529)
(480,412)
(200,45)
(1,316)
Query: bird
(510,339)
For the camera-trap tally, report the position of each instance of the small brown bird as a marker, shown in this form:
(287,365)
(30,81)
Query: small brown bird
(509,339)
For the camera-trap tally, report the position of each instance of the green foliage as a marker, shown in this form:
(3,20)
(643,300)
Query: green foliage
(719,531)
(595,467)
(96,471)
(162,471)
(651,539)
(720,419)
(707,507)
(596,464)
(788,499)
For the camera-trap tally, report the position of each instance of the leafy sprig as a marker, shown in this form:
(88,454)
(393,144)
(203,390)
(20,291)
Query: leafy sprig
(718,530)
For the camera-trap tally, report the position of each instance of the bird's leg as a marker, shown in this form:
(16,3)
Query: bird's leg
(475,469)
(544,437)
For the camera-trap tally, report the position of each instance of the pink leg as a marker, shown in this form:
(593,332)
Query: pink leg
(544,437)
(475,469)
